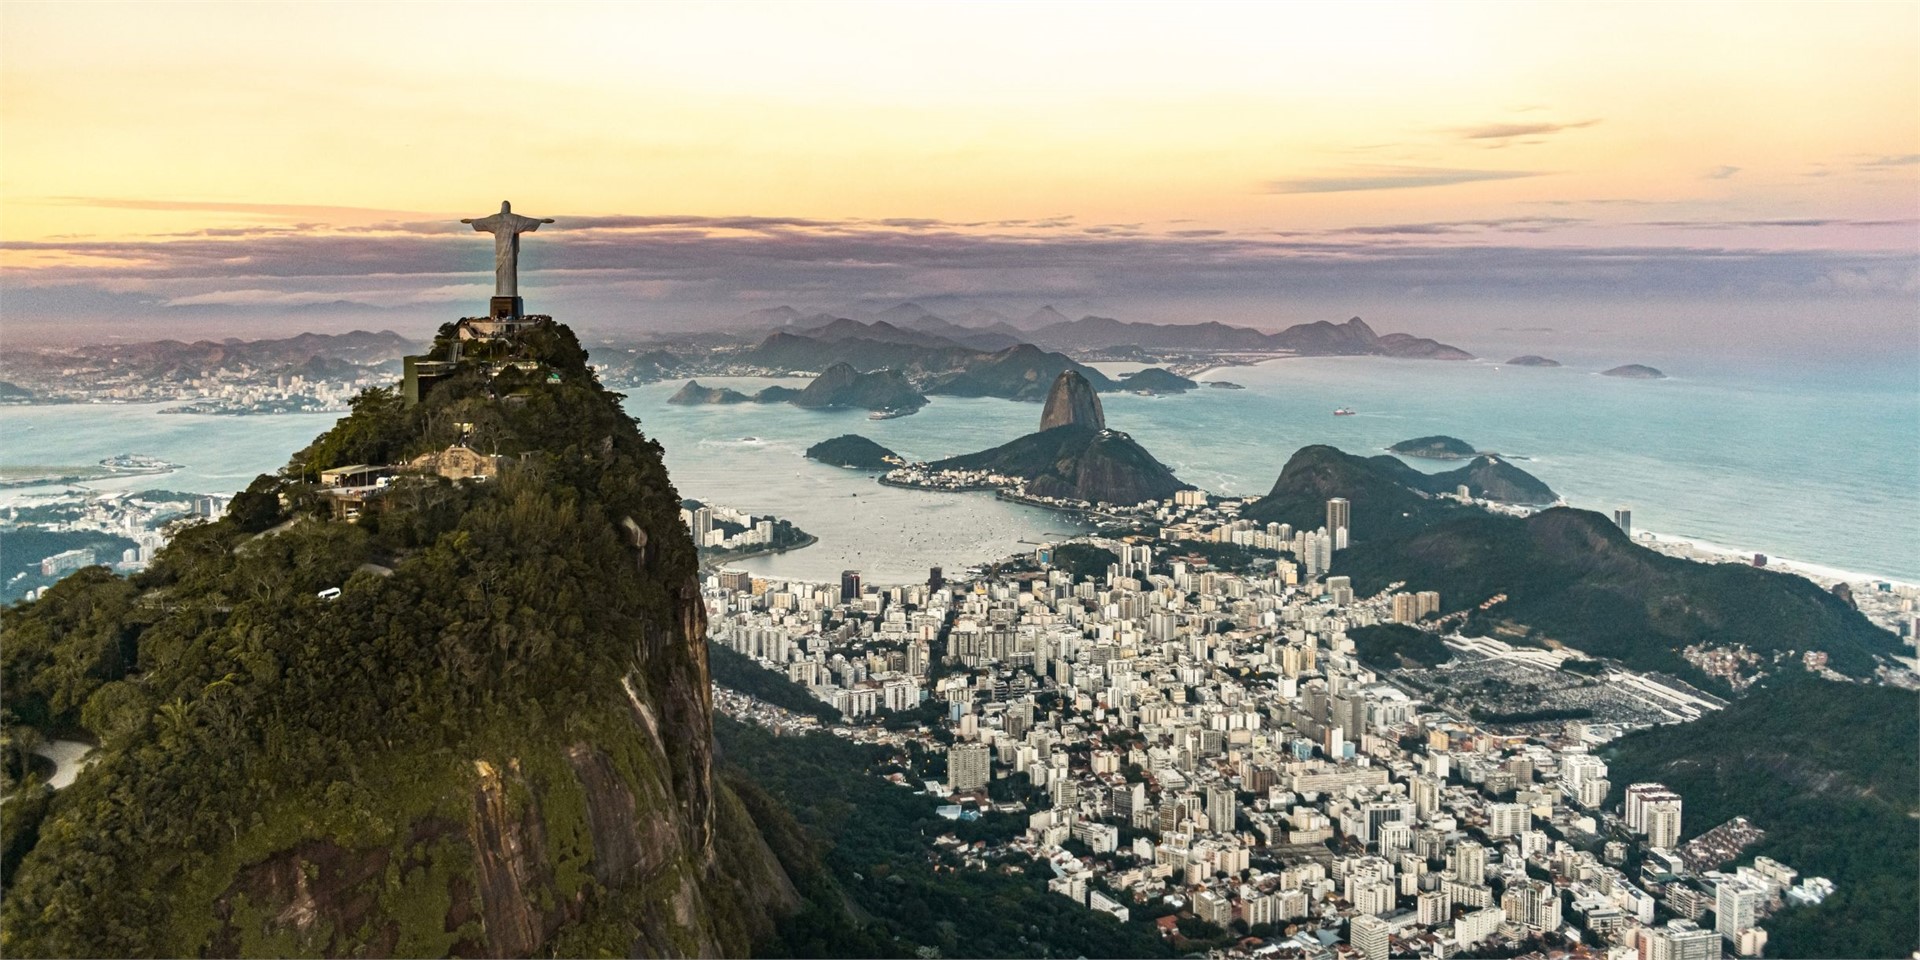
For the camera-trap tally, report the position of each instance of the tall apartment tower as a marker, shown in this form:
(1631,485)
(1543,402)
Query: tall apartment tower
(968,766)
(1533,904)
(1734,904)
(1663,823)
(1623,518)
(849,586)
(1470,862)
(1340,591)
(1222,808)
(1654,810)
(1339,521)
(1369,936)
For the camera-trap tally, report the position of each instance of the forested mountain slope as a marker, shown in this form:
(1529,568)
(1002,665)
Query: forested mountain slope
(496,740)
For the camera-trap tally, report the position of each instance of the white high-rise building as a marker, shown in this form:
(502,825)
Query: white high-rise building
(1534,904)
(1478,925)
(1583,779)
(1662,819)
(1222,808)
(1507,820)
(1679,940)
(1638,795)
(1735,903)
(1369,935)
(1339,521)
(1470,862)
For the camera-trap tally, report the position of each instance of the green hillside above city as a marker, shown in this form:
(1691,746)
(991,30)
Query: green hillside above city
(474,721)
(1828,771)
(1572,577)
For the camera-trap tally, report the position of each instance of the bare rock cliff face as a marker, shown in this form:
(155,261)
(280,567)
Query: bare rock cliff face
(1072,402)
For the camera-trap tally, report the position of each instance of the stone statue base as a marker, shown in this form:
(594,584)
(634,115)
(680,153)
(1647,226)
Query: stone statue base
(505,309)
(497,327)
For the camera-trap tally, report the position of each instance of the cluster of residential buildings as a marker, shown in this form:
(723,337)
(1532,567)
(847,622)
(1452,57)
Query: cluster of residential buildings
(143,517)
(1182,736)
(247,391)
(708,524)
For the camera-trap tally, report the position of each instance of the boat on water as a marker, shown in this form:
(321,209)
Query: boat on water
(887,414)
(1343,412)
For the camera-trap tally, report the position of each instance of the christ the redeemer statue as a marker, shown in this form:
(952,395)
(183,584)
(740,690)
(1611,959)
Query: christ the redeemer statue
(506,227)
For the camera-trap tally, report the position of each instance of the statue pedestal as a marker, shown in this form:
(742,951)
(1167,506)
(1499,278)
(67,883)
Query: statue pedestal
(505,308)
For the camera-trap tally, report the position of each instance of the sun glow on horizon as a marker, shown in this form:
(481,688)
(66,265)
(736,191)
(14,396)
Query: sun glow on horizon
(136,139)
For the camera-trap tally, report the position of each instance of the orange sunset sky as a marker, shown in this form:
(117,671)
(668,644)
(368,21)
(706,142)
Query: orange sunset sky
(1257,163)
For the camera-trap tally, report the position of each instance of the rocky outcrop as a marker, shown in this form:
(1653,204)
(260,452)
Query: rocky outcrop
(856,452)
(1436,447)
(1157,380)
(1406,346)
(1072,402)
(841,385)
(1023,372)
(1531,360)
(1635,371)
(693,394)
(1379,490)
(1077,463)
(1074,456)
(1492,478)
(1389,498)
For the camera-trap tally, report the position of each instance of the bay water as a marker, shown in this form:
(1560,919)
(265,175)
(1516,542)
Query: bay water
(1823,468)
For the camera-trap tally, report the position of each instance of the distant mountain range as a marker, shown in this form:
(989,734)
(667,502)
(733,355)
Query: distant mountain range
(359,346)
(1047,327)
(941,366)
(1320,338)
(322,356)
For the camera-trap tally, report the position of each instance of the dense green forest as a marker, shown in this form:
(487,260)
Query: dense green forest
(1083,560)
(22,549)
(1390,646)
(1568,575)
(1828,771)
(737,671)
(1575,577)
(872,843)
(495,639)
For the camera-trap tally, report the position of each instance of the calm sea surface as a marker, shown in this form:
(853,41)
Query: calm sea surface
(1824,469)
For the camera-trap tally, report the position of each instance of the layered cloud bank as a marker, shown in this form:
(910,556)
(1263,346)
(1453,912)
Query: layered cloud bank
(637,272)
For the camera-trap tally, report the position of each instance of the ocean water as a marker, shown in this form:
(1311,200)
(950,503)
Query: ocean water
(753,457)
(1809,465)
(217,454)
(1820,469)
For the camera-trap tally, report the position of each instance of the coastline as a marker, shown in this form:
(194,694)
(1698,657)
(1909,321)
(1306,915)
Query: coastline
(1822,574)
(720,560)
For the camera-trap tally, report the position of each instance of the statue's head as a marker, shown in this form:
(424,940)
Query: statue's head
(506,207)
